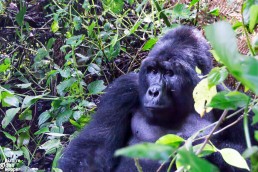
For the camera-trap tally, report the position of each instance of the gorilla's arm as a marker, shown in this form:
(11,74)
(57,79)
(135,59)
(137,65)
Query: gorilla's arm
(93,149)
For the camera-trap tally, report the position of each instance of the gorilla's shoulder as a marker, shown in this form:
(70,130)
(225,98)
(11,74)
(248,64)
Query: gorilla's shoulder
(124,91)
(128,82)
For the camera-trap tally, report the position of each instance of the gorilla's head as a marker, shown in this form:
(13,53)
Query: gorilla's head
(168,75)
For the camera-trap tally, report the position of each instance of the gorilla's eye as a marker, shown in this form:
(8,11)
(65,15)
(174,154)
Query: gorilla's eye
(152,70)
(169,73)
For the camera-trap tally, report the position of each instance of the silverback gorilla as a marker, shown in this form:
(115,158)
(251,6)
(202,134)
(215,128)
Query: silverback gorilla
(143,107)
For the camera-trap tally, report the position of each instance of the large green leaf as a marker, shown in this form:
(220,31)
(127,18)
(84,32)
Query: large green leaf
(146,150)
(186,159)
(229,100)
(243,68)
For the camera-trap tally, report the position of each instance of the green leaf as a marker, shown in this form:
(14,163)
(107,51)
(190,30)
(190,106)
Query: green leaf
(216,76)
(170,140)
(243,68)
(130,2)
(115,6)
(214,11)
(5,65)
(202,95)
(26,115)
(50,43)
(236,25)
(253,17)
(255,117)
(23,139)
(41,53)
(207,150)
(23,85)
(10,114)
(63,117)
(233,158)
(181,11)
(77,21)
(9,136)
(23,130)
(26,153)
(20,15)
(135,27)
(4,95)
(11,101)
(43,117)
(77,115)
(54,26)
(75,40)
(229,100)
(114,40)
(162,15)
(193,2)
(149,44)
(50,145)
(64,85)
(30,100)
(42,131)
(256,135)
(186,159)
(96,87)
(146,150)
(247,8)
(90,28)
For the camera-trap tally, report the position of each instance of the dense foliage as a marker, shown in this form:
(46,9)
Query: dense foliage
(56,58)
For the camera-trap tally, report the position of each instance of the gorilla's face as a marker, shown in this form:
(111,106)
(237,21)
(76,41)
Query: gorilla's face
(166,85)
(159,78)
(167,76)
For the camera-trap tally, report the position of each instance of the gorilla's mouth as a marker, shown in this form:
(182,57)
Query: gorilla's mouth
(155,107)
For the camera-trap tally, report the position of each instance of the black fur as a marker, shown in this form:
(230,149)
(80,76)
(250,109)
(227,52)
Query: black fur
(143,107)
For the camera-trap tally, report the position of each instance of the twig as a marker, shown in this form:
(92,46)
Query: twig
(137,164)
(226,127)
(221,119)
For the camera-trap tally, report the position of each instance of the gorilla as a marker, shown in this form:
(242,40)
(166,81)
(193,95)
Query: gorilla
(142,107)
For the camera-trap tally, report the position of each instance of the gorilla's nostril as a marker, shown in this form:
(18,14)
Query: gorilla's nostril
(156,93)
(150,93)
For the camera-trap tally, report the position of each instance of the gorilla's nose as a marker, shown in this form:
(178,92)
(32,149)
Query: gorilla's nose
(154,91)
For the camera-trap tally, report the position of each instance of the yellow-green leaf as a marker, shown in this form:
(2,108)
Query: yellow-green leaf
(233,157)
(202,95)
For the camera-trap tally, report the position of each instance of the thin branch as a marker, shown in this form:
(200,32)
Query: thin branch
(221,119)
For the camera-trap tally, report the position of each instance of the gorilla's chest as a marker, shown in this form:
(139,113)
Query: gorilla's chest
(143,131)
